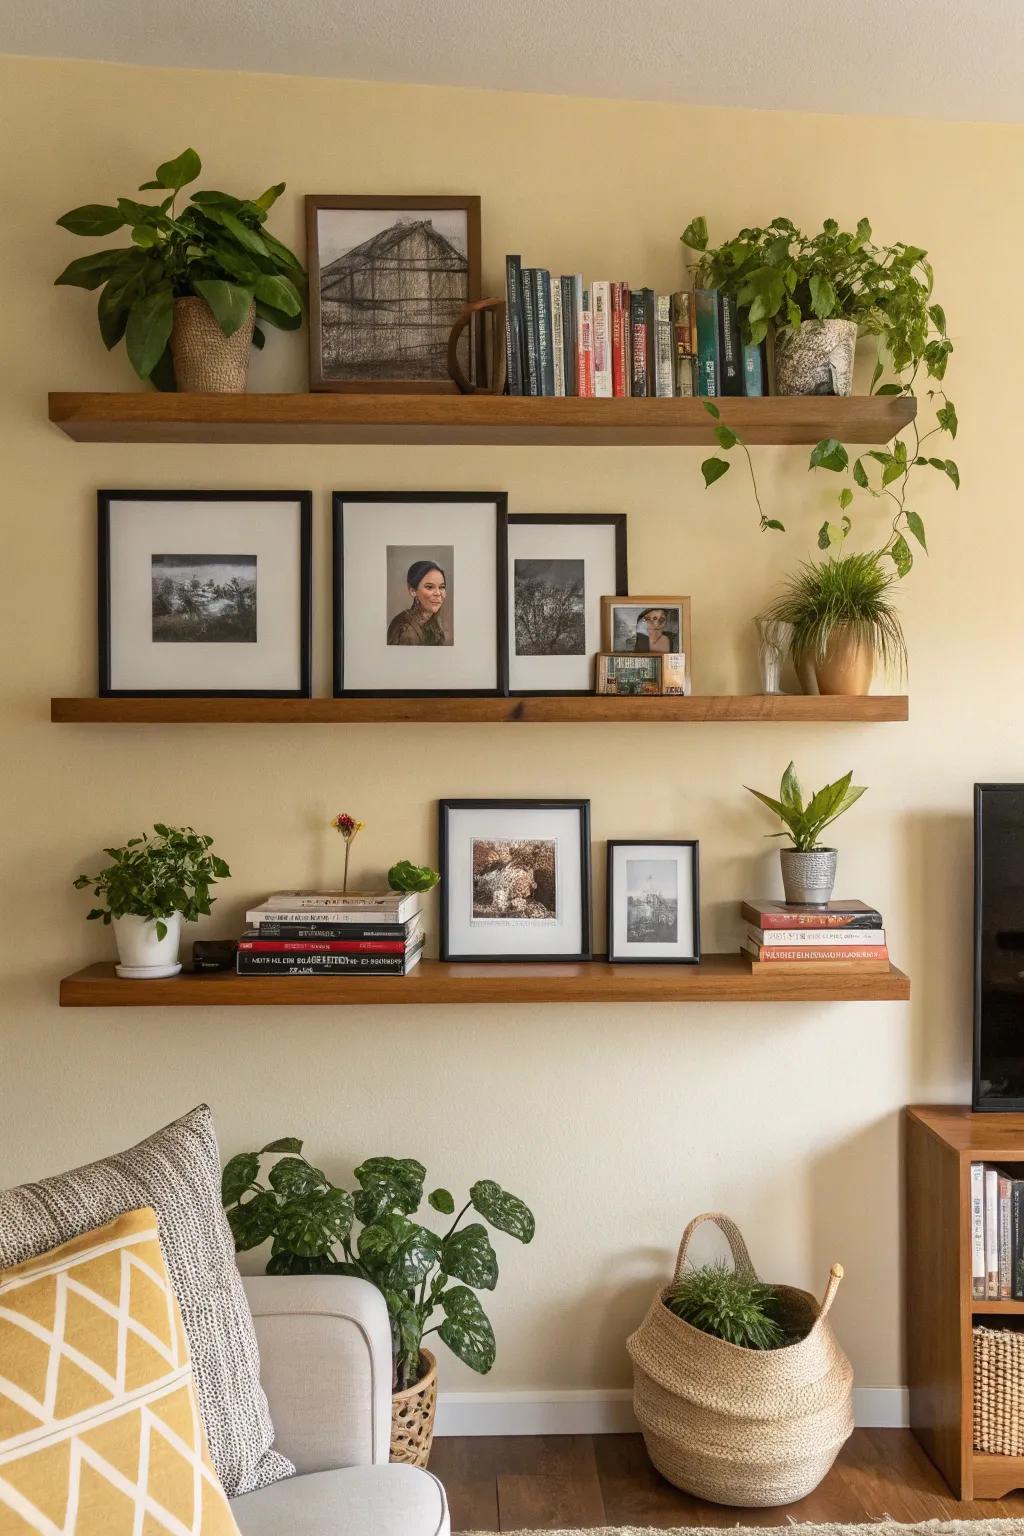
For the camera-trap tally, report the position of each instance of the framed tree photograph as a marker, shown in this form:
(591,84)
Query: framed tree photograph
(654,901)
(559,566)
(515,879)
(204,594)
(388,278)
(420,597)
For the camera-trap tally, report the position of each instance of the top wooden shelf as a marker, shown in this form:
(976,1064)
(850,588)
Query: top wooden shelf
(975,1137)
(153,417)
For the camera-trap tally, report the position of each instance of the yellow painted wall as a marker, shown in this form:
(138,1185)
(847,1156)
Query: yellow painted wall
(617,1124)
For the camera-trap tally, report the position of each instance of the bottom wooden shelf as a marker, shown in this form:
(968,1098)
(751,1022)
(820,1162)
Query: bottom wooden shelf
(995,1476)
(724,978)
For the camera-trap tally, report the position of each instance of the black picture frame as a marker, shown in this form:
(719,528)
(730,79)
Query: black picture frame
(652,842)
(338,500)
(988,1103)
(582,807)
(616,520)
(104,501)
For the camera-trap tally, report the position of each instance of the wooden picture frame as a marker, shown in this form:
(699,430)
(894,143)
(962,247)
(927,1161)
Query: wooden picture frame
(611,640)
(396,381)
(624,950)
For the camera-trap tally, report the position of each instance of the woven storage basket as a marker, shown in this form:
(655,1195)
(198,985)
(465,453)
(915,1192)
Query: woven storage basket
(998,1391)
(742,1426)
(206,362)
(412,1417)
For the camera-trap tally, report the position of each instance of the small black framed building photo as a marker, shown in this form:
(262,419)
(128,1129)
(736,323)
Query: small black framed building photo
(559,568)
(420,593)
(654,901)
(204,594)
(515,879)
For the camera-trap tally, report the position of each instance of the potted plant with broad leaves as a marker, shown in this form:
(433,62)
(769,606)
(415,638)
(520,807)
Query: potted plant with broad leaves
(311,1224)
(808,868)
(843,623)
(191,292)
(150,887)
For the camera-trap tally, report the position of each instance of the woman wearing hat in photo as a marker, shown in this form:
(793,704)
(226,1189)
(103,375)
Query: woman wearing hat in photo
(653,632)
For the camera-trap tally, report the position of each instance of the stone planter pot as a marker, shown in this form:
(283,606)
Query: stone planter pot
(848,663)
(142,955)
(817,359)
(808,878)
(412,1416)
(206,362)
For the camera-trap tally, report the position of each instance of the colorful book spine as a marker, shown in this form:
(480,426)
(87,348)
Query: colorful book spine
(620,334)
(754,369)
(531,351)
(836,915)
(1005,1236)
(771,954)
(663,369)
(638,343)
(586,351)
(514,324)
(802,937)
(978,1231)
(569,348)
(545,347)
(396,932)
(1017,1223)
(682,323)
(321,946)
(557,336)
(705,304)
(991,1234)
(600,304)
(730,377)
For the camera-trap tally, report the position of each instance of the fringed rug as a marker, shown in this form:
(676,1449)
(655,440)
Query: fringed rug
(877,1528)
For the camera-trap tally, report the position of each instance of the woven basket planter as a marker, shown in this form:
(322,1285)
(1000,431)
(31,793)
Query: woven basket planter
(206,362)
(742,1426)
(412,1417)
(998,1391)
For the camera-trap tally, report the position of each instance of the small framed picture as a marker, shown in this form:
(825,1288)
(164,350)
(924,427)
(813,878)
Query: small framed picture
(629,676)
(388,278)
(204,594)
(558,568)
(515,879)
(654,901)
(420,593)
(654,625)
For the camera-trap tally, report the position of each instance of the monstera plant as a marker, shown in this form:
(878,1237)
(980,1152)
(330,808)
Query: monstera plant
(316,1228)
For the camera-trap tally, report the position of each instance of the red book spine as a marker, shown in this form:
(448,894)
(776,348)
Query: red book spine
(768,953)
(323,946)
(761,919)
(620,320)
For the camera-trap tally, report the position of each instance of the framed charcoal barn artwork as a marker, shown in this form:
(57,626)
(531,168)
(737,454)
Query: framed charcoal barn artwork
(515,879)
(204,594)
(420,597)
(558,569)
(388,278)
(654,901)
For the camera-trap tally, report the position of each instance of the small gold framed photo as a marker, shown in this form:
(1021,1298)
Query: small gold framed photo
(630,675)
(646,625)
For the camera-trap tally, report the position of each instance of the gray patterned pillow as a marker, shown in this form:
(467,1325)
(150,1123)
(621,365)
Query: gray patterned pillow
(177,1172)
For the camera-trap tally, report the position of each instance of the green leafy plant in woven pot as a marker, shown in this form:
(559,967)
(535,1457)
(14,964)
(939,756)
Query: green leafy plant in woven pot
(191,292)
(809,868)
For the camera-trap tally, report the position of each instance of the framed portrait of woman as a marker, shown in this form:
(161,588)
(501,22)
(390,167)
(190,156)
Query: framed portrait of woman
(420,593)
(646,625)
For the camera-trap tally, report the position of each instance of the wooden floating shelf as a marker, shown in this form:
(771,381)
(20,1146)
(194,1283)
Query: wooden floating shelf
(153,417)
(552,710)
(997,1308)
(725,978)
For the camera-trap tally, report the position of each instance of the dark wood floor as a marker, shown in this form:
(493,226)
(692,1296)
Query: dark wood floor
(548,1482)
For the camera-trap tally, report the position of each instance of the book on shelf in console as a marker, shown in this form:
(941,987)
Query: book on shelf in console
(774,938)
(807,954)
(833,914)
(997,1234)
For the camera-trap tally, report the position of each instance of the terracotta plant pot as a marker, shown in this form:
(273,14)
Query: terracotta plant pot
(848,663)
(817,359)
(206,362)
(412,1416)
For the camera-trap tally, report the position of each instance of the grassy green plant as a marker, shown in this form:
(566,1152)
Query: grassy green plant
(154,877)
(804,824)
(311,1224)
(737,1308)
(215,248)
(853,592)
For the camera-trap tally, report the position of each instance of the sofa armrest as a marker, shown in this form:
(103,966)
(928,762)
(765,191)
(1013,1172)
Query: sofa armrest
(325,1356)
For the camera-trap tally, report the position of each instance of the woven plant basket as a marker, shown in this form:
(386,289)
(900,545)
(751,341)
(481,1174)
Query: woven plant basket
(742,1426)
(206,362)
(998,1391)
(412,1417)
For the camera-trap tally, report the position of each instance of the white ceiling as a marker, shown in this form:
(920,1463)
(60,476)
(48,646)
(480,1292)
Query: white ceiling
(957,59)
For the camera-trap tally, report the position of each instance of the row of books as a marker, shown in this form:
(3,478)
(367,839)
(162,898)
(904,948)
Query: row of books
(562,338)
(324,933)
(997,1234)
(840,935)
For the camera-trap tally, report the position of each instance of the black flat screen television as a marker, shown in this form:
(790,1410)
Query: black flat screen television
(998,947)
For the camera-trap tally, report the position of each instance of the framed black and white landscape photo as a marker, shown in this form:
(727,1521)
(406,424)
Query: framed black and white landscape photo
(420,593)
(559,567)
(204,594)
(654,901)
(388,278)
(515,879)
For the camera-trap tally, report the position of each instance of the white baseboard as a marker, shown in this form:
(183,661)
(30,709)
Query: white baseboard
(606,1413)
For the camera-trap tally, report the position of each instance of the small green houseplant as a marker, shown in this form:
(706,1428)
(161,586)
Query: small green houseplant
(843,621)
(150,886)
(809,868)
(211,264)
(735,1307)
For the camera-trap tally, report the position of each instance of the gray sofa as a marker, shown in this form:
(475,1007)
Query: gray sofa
(325,1353)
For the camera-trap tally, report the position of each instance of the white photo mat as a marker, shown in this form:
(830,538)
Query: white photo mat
(684,857)
(574,538)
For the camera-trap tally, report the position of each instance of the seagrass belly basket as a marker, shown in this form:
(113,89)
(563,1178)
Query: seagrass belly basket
(742,1426)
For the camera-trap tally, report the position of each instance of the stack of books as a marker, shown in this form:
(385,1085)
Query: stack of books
(325,933)
(840,936)
(997,1234)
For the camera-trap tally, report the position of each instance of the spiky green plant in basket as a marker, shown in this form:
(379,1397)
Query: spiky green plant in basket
(854,593)
(737,1308)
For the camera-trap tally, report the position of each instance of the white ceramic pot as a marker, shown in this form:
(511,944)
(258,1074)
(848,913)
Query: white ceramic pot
(141,952)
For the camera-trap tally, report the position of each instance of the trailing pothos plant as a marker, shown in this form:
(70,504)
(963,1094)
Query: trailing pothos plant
(215,248)
(154,877)
(780,277)
(312,1225)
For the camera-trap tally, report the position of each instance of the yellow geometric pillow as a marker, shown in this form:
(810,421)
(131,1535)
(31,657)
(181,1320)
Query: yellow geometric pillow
(100,1433)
